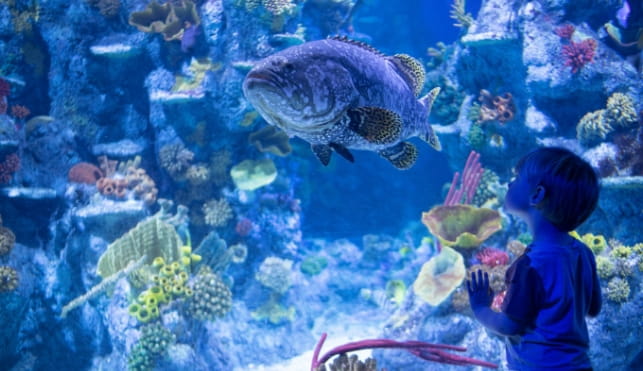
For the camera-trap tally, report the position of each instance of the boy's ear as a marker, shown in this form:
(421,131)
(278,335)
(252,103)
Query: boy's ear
(537,196)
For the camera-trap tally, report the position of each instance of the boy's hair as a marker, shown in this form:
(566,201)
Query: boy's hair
(571,185)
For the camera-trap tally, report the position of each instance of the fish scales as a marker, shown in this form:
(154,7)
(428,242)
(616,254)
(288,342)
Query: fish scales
(325,91)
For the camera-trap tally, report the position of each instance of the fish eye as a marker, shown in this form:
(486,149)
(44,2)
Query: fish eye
(288,67)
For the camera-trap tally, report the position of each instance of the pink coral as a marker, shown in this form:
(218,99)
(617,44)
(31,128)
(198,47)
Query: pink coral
(578,54)
(493,257)
(565,31)
(8,167)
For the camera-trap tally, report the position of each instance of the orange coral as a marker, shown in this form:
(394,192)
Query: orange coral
(112,187)
(498,107)
(84,172)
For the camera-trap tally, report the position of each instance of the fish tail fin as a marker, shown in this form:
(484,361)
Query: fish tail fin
(428,135)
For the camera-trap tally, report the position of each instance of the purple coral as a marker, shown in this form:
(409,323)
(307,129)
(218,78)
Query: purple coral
(426,351)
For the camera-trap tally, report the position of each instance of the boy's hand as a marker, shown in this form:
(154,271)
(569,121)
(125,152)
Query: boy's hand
(480,294)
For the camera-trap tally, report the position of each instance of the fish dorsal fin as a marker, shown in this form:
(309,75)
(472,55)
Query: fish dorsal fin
(361,44)
(402,155)
(428,135)
(411,70)
(376,125)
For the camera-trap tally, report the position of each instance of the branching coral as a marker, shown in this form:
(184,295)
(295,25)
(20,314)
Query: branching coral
(176,159)
(492,257)
(459,14)
(578,54)
(345,363)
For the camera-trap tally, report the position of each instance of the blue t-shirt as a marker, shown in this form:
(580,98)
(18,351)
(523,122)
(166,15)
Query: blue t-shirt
(550,289)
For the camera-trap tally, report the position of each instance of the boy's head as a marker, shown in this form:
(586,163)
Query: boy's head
(568,184)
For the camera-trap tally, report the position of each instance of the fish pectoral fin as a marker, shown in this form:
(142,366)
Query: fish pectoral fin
(343,151)
(402,155)
(376,125)
(411,71)
(322,152)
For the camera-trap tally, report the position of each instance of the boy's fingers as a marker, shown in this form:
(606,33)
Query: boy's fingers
(486,279)
(480,278)
(469,286)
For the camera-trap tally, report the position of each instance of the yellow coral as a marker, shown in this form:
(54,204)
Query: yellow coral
(593,127)
(621,111)
(596,243)
(8,279)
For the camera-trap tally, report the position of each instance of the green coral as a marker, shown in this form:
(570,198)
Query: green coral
(151,238)
(275,312)
(154,342)
(618,290)
(313,265)
(621,252)
(604,267)
(477,137)
(485,190)
(461,225)
(211,298)
(271,140)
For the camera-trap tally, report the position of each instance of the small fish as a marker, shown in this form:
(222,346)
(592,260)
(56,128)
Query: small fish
(623,13)
(338,94)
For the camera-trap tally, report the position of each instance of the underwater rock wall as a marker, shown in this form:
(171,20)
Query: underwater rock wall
(124,114)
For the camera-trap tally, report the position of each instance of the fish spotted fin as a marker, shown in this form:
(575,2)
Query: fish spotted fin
(411,71)
(402,155)
(376,125)
(429,135)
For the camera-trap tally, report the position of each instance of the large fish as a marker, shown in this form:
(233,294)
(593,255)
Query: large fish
(339,94)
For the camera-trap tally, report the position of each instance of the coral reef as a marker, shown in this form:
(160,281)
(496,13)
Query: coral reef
(84,172)
(211,297)
(8,279)
(440,276)
(7,240)
(217,213)
(461,225)
(168,19)
(153,344)
(618,290)
(578,54)
(276,274)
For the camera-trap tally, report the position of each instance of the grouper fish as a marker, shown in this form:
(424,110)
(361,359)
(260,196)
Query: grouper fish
(338,94)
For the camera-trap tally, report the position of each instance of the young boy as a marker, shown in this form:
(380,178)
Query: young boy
(553,285)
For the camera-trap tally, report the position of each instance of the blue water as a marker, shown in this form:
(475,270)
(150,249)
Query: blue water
(123,141)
